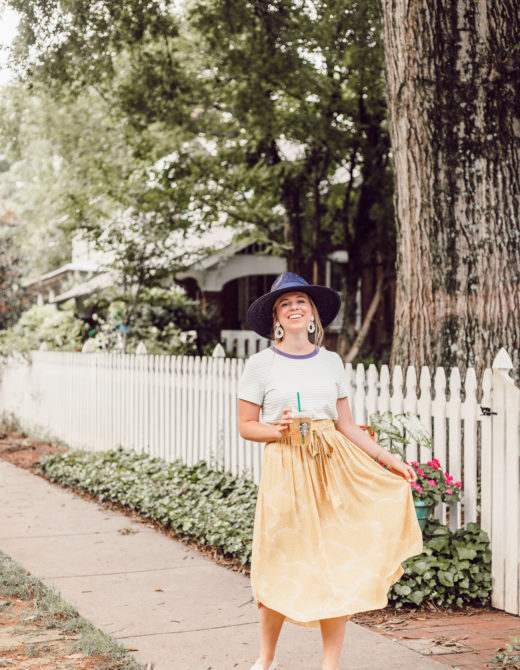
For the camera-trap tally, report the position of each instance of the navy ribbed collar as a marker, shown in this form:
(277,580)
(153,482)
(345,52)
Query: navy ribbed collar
(282,353)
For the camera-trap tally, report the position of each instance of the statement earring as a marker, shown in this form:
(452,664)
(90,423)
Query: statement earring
(278,333)
(310,326)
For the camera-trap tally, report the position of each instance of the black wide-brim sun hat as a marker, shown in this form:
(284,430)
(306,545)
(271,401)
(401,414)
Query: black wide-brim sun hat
(260,312)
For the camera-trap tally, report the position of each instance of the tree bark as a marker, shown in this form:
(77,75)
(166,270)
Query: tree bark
(453,86)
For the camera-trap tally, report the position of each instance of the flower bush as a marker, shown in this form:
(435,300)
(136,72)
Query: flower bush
(433,485)
(395,432)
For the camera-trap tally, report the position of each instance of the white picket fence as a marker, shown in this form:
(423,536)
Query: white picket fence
(185,407)
(243,343)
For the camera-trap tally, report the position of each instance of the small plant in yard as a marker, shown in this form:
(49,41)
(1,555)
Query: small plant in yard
(396,431)
(509,657)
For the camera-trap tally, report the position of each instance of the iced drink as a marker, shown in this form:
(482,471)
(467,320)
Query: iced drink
(300,429)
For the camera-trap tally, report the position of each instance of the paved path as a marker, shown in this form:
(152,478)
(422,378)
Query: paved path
(174,607)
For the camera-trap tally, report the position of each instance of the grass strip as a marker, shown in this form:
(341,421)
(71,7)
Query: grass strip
(52,611)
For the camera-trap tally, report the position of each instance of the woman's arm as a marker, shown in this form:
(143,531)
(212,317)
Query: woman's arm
(251,429)
(346,425)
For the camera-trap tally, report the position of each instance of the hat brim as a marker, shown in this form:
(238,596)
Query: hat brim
(260,312)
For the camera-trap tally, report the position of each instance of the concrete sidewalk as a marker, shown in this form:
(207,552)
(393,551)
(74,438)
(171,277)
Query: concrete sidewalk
(174,607)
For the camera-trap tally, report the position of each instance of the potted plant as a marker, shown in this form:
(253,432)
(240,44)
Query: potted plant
(395,432)
(432,486)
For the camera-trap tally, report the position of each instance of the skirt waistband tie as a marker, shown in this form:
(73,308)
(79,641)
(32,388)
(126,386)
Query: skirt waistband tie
(323,440)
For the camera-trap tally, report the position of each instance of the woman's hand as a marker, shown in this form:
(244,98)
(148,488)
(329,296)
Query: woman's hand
(284,423)
(400,468)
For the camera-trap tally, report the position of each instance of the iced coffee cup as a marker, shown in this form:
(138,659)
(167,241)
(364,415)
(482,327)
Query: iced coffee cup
(300,429)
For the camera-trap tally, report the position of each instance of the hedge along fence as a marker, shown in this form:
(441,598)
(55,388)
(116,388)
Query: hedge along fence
(217,508)
(185,407)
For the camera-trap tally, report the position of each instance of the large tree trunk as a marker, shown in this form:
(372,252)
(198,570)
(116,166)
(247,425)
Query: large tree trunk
(453,80)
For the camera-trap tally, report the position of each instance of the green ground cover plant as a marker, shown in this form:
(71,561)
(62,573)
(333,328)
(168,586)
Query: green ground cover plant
(213,507)
(54,612)
(217,508)
(453,570)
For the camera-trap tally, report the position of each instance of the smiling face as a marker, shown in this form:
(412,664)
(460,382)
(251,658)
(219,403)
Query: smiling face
(293,311)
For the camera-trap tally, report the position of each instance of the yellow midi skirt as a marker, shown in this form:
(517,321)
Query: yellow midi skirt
(332,528)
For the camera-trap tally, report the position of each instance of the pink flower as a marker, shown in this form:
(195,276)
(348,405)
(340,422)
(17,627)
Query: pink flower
(449,478)
(458,485)
(432,482)
(420,471)
(418,487)
(449,491)
(434,464)
(414,463)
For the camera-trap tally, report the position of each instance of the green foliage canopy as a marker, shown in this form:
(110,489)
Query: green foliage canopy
(270,113)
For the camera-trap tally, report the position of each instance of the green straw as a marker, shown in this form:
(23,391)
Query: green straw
(299,410)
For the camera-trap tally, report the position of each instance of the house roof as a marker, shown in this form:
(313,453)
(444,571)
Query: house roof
(69,267)
(97,283)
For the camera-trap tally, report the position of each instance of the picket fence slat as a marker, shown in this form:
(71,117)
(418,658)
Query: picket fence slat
(186,407)
(453,412)
(498,469)
(470,424)
(486,455)
(439,430)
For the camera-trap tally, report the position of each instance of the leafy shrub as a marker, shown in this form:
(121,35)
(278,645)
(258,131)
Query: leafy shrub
(59,328)
(453,570)
(215,508)
(165,320)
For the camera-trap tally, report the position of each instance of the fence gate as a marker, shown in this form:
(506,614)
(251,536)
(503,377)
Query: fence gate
(502,487)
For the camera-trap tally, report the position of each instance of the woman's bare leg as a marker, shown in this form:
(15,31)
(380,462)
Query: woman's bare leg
(332,633)
(270,626)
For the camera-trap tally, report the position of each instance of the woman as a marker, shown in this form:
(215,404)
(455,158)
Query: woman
(332,526)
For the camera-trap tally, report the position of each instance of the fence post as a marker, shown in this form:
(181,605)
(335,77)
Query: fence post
(505,486)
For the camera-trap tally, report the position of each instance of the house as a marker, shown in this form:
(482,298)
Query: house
(225,274)
(85,274)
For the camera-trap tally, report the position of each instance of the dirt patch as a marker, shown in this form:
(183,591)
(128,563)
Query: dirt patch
(24,452)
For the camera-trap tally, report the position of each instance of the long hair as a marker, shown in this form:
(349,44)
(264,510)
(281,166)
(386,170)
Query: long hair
(317,336)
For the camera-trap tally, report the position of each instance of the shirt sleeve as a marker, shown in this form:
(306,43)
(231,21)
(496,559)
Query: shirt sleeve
(340,377)
(251,384)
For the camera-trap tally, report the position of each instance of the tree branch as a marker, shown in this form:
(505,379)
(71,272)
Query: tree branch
(365,326)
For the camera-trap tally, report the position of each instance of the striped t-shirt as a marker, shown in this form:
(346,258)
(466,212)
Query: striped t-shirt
(272,380)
